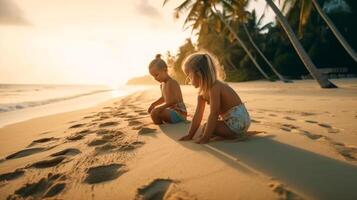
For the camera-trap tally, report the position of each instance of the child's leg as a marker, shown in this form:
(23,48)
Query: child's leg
(224,131)
(159,118)
(221,131)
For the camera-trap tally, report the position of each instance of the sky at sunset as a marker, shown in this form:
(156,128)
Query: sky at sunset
(85,41)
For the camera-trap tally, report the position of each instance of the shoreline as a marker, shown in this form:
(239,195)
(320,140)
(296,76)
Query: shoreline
(68,105)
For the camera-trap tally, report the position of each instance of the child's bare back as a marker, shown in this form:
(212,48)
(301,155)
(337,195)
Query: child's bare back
(170,107)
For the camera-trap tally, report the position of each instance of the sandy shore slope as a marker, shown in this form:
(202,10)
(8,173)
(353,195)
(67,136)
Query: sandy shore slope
(307,149)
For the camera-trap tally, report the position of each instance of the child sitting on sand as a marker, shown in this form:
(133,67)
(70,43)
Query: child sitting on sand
(172,110)
(234,120)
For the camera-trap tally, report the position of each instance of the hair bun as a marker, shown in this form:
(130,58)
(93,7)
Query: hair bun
(158,56)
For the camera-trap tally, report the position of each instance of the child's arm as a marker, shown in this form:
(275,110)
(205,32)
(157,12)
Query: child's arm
(170,98)
(197,118)
(215,104)
(155,103)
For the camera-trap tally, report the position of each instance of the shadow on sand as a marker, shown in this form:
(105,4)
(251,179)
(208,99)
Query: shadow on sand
(314,175)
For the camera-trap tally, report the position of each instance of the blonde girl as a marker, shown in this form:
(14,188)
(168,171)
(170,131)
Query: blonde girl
(228,117)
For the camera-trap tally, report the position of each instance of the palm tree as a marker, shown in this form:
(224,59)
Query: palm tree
(306,9)
(201,9)
(253,24)
(310,66)
(212,36)
(241,17)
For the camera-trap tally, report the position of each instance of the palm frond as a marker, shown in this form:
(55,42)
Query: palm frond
(259,22)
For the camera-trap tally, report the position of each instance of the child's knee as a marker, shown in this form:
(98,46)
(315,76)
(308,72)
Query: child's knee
(153,114)
(155,117)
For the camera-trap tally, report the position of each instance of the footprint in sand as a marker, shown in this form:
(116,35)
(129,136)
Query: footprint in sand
(154,190)
(107,132)
(307,113)
(79,135)
(44,133)
(77,126)
(283,192)
(103,173)
(67,152)
(285,129)
(118,114)
(105,148)
(288,127)
(139,110)
(311,135)
(143,113)
(324,125)
(130,116)
(84,131)
(104,117)
(97,142)
(55,189)
(106,124)
(48,163)
(289,118)
(12,175)
(255,121)
(138,127)
(311,121)
(42,140)
(25,152)
(75,137)
(50,186)
(131,146)
(348,152)
(329,128)
(108,137)
(88,117)
(145,130)
(134,123)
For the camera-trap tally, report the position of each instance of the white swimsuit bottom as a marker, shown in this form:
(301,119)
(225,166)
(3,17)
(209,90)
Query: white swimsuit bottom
(237,119)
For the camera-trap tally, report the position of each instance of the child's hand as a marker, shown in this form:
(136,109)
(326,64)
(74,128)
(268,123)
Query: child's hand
(186,137)
(202,140)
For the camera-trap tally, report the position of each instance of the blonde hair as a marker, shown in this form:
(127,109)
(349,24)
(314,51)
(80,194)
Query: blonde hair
(206,67)
(158,62)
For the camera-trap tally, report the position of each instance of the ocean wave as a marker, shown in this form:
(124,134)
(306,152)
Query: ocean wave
(22,105)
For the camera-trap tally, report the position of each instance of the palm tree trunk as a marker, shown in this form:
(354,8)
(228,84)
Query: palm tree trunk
(264,58)
(216,12)
(335,31)
(310,66)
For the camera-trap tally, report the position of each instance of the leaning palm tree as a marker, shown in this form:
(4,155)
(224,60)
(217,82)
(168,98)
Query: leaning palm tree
(199,10)
(306,9)
(310,66)
(212,36)
(256,30)
(240,18)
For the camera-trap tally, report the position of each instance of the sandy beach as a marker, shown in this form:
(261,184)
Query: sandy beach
(306,148)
